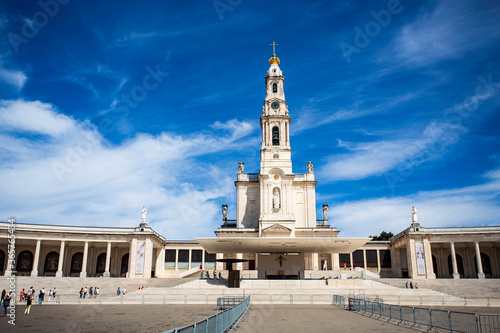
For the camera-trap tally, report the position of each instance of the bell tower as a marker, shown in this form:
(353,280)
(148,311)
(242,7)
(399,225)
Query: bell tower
(275,150)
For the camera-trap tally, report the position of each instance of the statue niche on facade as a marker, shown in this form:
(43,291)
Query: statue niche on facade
(276,199)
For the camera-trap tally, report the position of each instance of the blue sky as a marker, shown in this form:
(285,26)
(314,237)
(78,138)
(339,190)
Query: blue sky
(106,107)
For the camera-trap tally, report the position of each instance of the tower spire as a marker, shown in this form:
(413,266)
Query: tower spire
(274,59)
(274,47)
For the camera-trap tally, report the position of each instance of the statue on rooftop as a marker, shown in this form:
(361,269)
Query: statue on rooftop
(241,167)
(325,212)
(309,167)
(414,215)
(143,215)
(224,212)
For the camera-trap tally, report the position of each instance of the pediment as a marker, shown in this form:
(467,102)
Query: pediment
(277,228)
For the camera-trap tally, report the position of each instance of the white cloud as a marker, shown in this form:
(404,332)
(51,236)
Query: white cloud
(467,206)
(13,77)
(80,179)
(374,158)
(35,117)
(450,30)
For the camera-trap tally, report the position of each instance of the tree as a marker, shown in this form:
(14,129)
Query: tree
(383,236)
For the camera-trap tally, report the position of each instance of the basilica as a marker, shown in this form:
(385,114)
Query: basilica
(276,233)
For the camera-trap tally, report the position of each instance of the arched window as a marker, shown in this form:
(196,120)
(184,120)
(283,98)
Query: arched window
(275,88)
(76,262)
(101,263)
(276,136)
(51,262)
(124,268)
(25,262)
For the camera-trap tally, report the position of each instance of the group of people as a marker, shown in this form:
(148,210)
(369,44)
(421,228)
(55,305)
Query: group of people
(207,275)
(411,285)
(92,292)
(123,291)
(29,296)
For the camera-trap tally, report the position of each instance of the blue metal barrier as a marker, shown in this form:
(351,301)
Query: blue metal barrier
(220,322)
(433,319)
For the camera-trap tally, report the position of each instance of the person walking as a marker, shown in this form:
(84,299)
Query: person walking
(124,291)
(85,292)
(40,297)
(90,292)
(5,304)
(54,292)
(28,305)
(3,296)
(21,295)
(50,295)
(118,291)
(81,293)
(96,291)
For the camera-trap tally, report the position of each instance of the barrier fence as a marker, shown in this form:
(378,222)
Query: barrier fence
(218,323)
(432,319)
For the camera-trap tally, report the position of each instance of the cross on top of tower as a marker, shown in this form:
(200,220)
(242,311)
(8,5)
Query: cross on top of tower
(274,47)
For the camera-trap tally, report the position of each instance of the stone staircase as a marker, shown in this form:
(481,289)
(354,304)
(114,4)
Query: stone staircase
(471,288)
(72,285)
(305,292)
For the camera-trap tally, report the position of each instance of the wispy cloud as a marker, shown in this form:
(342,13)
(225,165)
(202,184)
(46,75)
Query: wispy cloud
(374,158)
(448,31)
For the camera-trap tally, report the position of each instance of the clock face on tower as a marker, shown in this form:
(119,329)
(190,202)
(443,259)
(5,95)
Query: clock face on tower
(275,105)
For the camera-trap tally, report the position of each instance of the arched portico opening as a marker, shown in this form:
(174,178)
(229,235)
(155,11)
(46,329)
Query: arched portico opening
(124,266)
(435,266)
(2,261)
(100,264)
(485,262)
(24,262)
(76,263)
(51,263)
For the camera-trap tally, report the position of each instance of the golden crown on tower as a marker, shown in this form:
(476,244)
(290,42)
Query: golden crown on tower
(274,60)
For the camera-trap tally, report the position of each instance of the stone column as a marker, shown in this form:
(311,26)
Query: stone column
(160,262)
(34,272)
(83,272)
(350,258)
(60,264)
(379,269)
(219,265)
(335,261)
(239,266)
(176,259)
(132,258)
(480,273)
(364,260)
(315,264)
(108,260)
(148,258)
(429,267)
(189,258)
(411,257)
(456,275)
(203,259)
